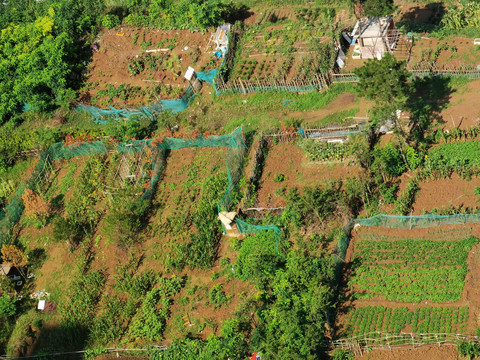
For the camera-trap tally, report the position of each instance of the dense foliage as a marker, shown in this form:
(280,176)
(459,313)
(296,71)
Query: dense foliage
(42,49)
(463,16)
(169,14)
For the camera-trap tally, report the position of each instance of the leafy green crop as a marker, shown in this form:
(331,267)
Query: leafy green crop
(323,151)
(461,157)
(411,270)
(423,320)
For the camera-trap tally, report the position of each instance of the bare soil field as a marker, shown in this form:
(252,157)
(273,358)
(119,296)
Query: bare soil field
(289,160)
(450,52)
(463,110)
(444,193)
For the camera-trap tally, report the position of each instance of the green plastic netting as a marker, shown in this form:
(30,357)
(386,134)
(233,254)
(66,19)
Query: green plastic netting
(175,105)
(246,228)
(11,214)
(418,221)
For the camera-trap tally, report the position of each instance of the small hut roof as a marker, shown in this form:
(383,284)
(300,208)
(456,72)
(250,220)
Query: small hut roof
(371,27)
(5,269)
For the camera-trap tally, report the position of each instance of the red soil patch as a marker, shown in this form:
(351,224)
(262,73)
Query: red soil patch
(443,193)
(463,110)
(415,12)
(290,161)
(430,352)
(117,50)
(453,51)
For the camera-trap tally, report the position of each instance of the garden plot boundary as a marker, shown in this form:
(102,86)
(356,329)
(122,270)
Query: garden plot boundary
(387,341)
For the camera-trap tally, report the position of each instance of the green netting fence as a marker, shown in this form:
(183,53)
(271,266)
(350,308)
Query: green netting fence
(11,214)
(101,116)
(418,221)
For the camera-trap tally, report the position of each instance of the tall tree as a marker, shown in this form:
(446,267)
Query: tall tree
(377,8)
(386,82)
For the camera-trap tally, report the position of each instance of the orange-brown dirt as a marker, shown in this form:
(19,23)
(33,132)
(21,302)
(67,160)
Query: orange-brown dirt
(456,51)
(421,13)
(443,193)
(439,194)
(290,161)
(427,352)
(116,50)
(463,110)
(470,294)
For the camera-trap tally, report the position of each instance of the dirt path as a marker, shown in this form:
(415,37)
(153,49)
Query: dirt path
(345,101)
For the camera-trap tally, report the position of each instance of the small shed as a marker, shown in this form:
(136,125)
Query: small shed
(373,37)
(220,38)
(5,269)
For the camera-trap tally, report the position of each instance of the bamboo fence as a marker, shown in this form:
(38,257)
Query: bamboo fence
(386,341)
(238,86)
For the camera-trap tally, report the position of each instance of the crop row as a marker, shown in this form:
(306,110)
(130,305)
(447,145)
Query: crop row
(453,157)
(426,252)
(423,320)
(411,270)
(323,151)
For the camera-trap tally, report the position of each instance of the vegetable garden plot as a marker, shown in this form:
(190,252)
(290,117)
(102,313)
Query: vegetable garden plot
(135,67)
(328,151)
(460,157)
(287,166)
(186,201)
(380,319)
(451,52)
(452,233)
(411,270)
(295,47)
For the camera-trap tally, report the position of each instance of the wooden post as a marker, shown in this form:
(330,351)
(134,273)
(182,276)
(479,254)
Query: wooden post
(241,85)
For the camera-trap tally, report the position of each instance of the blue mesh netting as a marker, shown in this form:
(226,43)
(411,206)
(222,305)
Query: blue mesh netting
(208,76)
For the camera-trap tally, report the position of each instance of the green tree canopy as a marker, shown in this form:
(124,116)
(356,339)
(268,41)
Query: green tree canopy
(182,14)
(384,80)
(374,8)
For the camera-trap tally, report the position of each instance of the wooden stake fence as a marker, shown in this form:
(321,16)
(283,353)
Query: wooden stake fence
(386,341)
(317,82)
